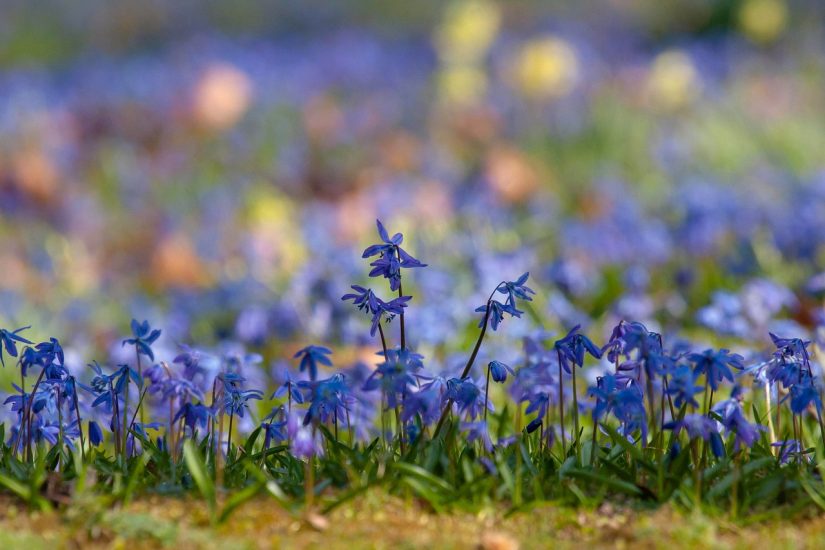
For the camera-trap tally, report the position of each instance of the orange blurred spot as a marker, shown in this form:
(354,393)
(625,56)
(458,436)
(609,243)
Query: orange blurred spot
(221,97)
(511,174)
(175,263)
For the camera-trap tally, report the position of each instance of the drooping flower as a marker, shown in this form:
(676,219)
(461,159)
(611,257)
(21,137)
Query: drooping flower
(468,396)
(368,302)
(95,433)
(327,399)
(496,313)
(734,421)
(499,370)
(702,427)
(478,431)
(682,386)
(517,289)
(803,394)
(394,375)
(792,348)
(289,385)
(193,415)
(311,357)
(9,340)
(716,365)
(572,348)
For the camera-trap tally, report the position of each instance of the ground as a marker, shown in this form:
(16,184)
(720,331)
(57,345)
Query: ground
(379,521)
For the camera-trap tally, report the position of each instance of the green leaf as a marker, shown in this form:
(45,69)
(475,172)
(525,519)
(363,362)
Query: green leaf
(613,483)
(200,475)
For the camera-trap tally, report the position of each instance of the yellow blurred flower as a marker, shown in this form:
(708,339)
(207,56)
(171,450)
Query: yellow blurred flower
(763,20)
(276,237)
(462,84)
(468,30)
(546,68)
(673,80)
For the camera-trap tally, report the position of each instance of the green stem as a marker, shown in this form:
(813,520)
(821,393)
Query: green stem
(576,417)
(486,393)
(561,405)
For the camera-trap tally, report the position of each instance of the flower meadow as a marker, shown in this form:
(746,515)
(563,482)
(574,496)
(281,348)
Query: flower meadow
(366,273)
(662,422)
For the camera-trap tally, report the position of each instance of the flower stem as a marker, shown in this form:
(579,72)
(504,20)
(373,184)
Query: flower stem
(471,360)
(79,423)
(401,315)
(486,393)
(229,435)
(29,416)
(561,405)
(577,436)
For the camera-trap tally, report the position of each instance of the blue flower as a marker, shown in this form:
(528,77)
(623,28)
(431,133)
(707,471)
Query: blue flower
(792,348)
(467,395)
(621,396)
(193,415)
(274,430)
(236,401)
(95,433)
(367,301)
(394,375)
(517,289)
(702,427)
(572,348)
(427,402)
(478,431)
(734,421)
(304,441)
(9,340)
(716,365)
(190,358)
(18,402)
(143,338)
(803,394)
(289,385)
(788,449)
(364,298)
(682,386)
(392,257)
(47,355)
(496,312)
(327,399)
(498,371)
(311,357)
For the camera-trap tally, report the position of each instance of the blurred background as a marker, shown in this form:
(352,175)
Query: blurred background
(217,167)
